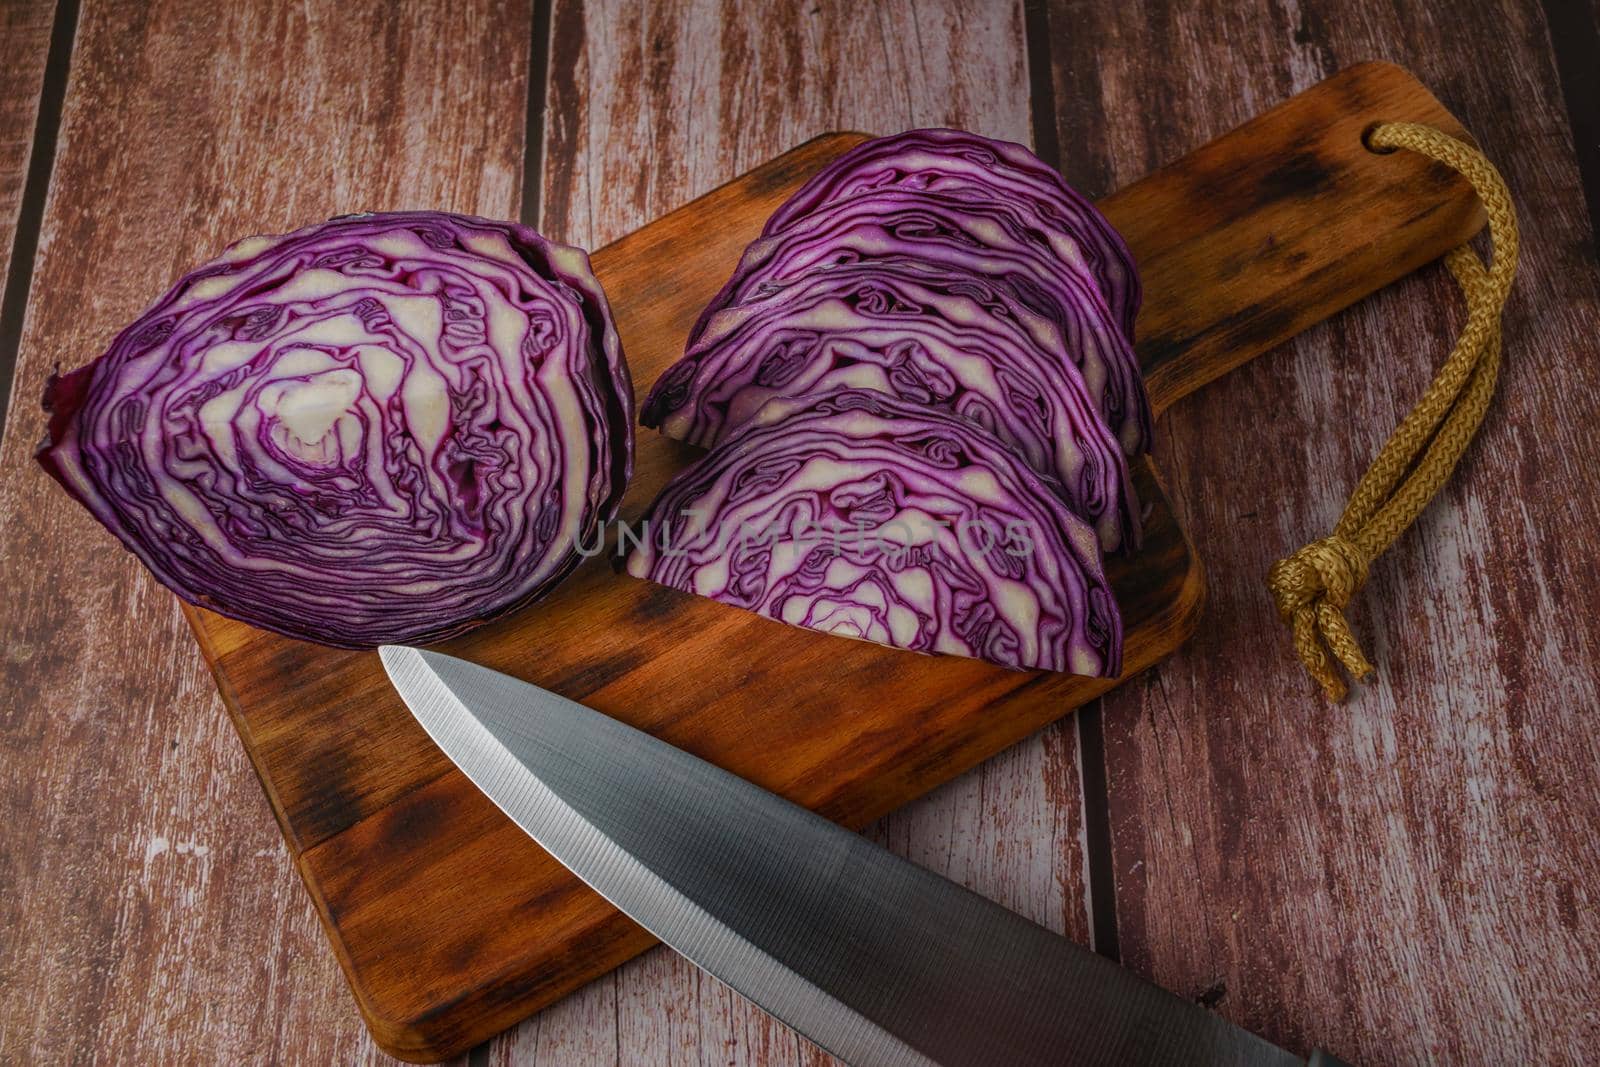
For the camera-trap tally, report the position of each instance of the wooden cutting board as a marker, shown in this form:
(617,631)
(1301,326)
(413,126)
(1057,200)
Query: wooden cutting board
(451,924)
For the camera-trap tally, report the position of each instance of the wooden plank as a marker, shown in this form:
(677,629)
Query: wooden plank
(24,44)
(25,30)
(1574,31)
(726,90)
(1408,878)
(147,909)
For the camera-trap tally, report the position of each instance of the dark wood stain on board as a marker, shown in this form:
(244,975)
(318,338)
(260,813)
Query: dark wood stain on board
(147,911)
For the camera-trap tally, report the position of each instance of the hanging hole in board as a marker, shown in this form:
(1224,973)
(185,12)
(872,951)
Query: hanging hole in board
(1366,141)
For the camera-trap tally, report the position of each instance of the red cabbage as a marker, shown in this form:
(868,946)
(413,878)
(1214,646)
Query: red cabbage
(868,516)
(967,167)
(929,335)
(982,240)
(381,429)
(934,329)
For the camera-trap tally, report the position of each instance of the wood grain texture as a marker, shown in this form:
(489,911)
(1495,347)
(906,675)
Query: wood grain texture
(1409,878)
(699,92)
(147,910)
(24,44)
(416,873)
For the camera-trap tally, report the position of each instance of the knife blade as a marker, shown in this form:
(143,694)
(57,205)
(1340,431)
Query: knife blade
(872,957)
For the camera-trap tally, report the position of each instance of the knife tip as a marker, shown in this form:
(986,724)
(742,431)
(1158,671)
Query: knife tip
(396,657)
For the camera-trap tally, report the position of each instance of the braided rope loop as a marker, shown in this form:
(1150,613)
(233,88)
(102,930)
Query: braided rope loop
(1313,586)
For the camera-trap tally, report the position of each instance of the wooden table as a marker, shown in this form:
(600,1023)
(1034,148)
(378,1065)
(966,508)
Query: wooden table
(1409,878)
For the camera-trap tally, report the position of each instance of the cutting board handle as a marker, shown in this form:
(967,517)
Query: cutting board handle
(1285,221)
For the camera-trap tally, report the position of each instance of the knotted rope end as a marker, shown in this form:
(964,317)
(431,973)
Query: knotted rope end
(1311,589)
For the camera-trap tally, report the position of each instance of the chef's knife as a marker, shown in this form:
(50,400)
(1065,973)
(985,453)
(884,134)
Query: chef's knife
(872,957)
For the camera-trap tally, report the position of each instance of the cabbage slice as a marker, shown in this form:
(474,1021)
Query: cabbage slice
(928,335)
(977,169)
(868,516)
(983,241)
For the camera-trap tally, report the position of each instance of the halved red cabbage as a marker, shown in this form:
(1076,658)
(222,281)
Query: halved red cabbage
(966,166)
(868,516)
(925,334)
(384,428)
(977,239)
